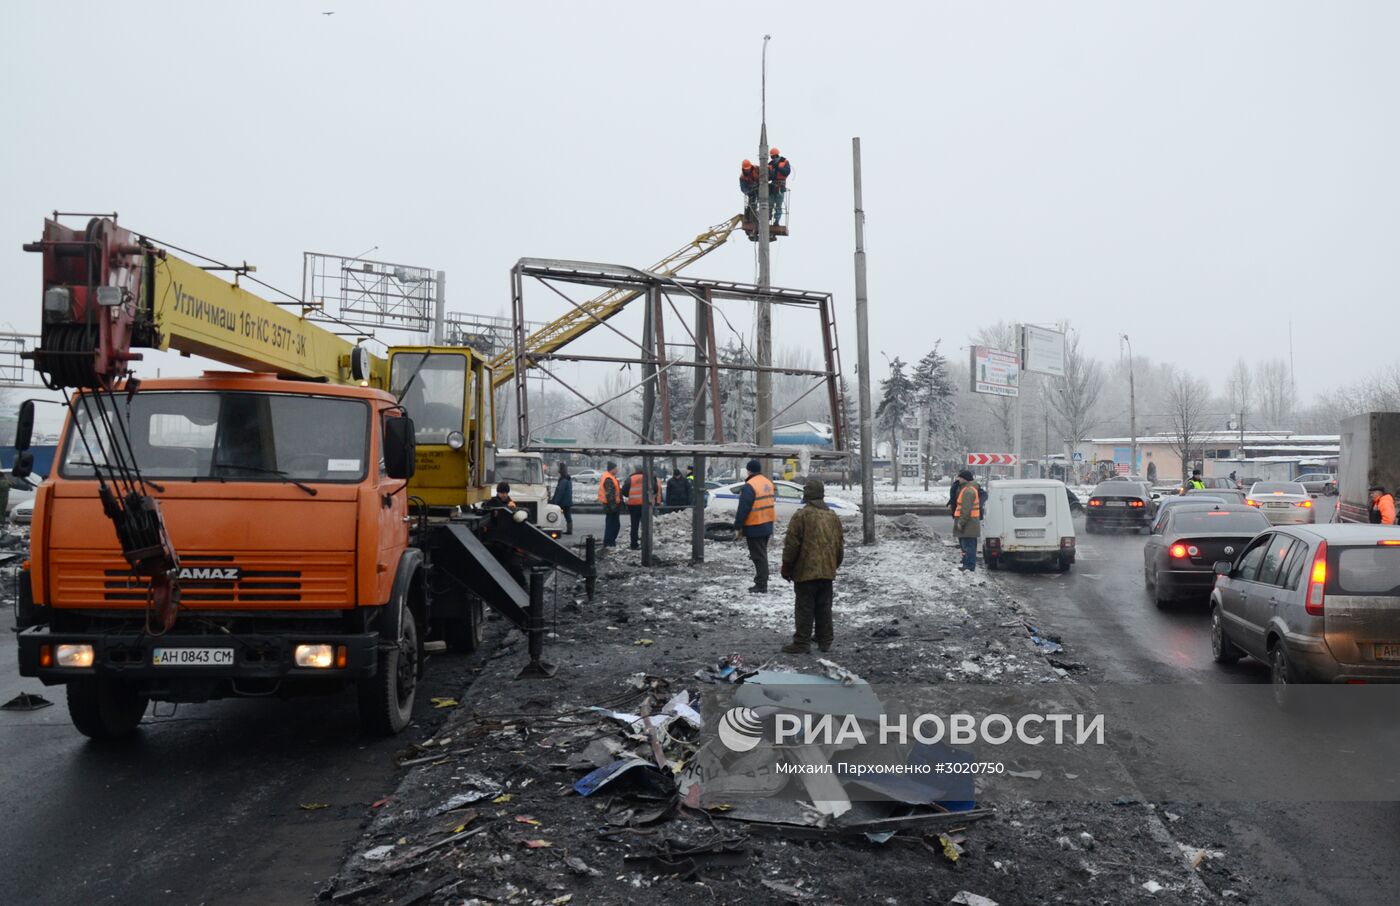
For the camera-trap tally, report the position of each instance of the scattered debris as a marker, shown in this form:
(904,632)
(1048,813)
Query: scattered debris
(313,806)
(1194,856)
(479,788)
(1086,839)
(1152,887)
(444,703)
(1028,775)
(642,776)
(26,701)
(967,898)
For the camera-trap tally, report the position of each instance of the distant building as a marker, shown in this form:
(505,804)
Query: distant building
(1218,453)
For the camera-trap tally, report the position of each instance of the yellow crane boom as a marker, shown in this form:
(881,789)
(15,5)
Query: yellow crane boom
(590,314)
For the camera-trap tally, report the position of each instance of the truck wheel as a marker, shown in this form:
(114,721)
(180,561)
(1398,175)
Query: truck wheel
(1065,564)
(103,708)
(386,699)
(1222,650)
(464,635)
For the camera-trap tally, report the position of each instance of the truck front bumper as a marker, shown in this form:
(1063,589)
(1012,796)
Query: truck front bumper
(130,656)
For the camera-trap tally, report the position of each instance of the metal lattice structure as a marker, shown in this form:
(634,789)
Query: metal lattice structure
(15,369)
(488,335)
(371,293)
(659,292)
(585,317)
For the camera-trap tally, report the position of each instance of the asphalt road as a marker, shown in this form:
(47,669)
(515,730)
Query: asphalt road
(204,806)
(1296,852)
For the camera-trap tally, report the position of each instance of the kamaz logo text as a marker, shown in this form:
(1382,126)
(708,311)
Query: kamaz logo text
(224,573)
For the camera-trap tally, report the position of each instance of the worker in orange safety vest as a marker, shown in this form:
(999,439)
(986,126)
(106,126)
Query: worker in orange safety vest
(610,496)
(967,519)
(754,521)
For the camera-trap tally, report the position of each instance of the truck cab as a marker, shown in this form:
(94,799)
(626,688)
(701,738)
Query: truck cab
(287,504)
(525,474)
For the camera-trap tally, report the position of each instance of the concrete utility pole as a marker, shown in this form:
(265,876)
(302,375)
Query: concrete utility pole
(1132,410)
(698,430)
(867,428)
(763,433)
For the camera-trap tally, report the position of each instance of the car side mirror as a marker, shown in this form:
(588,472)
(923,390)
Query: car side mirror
(24,427)
(24,464)
(400,447)
(1156,496)
(1222,567)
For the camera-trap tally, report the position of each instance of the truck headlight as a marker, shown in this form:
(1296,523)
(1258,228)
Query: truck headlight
(456,441)
(551,517)
(73,655)
(314,655)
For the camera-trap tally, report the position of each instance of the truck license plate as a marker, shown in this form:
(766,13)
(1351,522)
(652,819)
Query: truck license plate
(1390,652)
(1030,533)
(191,657)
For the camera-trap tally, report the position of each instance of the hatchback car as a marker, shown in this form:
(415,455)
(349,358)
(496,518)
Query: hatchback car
(1178,559)
(1282,502)
(1167,504)
(1229,495)
(1119,504)
(1317,603)
(1319,483)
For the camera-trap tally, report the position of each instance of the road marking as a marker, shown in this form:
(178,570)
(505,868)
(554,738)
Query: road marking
(1095,576)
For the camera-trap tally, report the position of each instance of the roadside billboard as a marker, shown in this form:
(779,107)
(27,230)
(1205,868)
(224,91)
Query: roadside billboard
(995,371)
(1042,350)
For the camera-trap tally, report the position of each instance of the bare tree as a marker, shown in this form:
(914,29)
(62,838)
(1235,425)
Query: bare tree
(1075,396)
(1239,390)
(1185,403)
(1276,393)
(599,425)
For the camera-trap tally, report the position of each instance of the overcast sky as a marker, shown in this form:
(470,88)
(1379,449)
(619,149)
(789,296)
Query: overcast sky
(1192,174)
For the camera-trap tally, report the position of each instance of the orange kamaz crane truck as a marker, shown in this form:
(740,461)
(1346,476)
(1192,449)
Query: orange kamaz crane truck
(300,526)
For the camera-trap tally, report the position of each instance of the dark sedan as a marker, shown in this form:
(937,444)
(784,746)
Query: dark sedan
(1179,560)
(1119,504)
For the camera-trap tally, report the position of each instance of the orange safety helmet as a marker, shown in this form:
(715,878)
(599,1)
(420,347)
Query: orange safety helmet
(773,152)
(748,165)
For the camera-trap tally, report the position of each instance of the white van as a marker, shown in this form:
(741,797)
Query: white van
(1028,521)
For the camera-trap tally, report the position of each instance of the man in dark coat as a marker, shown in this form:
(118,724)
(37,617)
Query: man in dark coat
(812,552)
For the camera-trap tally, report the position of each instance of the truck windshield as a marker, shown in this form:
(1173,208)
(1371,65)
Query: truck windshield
(519,470)
(433,389)
(198,434)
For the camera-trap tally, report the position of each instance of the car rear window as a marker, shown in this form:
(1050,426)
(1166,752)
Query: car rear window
(1221,521)
(1279,487)
(1028,506)
(1370,570)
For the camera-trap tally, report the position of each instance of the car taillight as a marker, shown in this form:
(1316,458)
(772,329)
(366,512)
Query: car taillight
(1249,502)
(1389,542)
(1317,584)
(994,544)
(1095,503)
(1136,503)
(1306,504)
(1179,551)
(1069,543)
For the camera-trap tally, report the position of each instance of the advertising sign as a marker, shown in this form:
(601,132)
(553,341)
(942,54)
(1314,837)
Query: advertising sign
(995,372)
(1043,350)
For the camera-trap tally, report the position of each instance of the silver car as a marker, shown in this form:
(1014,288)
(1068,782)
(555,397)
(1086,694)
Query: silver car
(1282,502)
(1318,603)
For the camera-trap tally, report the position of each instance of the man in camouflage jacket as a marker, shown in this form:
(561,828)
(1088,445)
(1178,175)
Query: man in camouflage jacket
(812,553)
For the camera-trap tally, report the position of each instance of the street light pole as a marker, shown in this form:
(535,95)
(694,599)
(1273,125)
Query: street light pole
(867,429)
(1132,410)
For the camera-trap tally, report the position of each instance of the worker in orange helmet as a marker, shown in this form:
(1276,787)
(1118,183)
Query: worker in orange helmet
(778,172)
(748,184)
